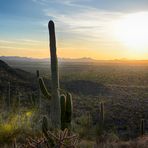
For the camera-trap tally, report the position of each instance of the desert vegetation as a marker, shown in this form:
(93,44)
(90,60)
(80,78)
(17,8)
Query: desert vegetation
(101,105)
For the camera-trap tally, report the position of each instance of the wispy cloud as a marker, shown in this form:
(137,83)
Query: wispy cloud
(30,41)
(85,23)
(71,2)
(65,2)
(20,41)
(81,21)
(41,2)
(7,41)
(10,47)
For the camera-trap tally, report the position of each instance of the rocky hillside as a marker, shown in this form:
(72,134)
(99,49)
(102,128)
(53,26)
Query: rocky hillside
(17,77)
(9,74)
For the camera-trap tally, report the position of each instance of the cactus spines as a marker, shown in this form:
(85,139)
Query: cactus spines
(55,96)
(58,138)
(142,127)
(44,89)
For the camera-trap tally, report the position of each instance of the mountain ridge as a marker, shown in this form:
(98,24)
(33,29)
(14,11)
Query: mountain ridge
(83,59)
(7,73)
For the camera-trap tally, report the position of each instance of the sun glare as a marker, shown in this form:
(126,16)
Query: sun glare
(132,30)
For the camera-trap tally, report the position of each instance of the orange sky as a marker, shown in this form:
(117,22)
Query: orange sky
(97,30)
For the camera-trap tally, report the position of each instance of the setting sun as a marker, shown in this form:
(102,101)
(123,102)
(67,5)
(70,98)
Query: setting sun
(132,30)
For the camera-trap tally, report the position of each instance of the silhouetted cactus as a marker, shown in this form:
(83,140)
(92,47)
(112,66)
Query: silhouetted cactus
(18,98)
(45,131)
(55,96)
(45,124)
(38,90)
(102,113)
(37,73)
(100,126)
(63,109)
(61,113)
(69,110)
(142,127)
(44,89)
(33,99)
(56,139)
(66,111)
(8,101)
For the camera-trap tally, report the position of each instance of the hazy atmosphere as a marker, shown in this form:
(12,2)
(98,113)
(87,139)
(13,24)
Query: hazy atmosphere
(107,29)
(74,74)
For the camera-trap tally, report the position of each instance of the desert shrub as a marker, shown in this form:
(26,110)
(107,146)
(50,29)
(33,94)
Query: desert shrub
(86,144)
(84,127)
(18,125)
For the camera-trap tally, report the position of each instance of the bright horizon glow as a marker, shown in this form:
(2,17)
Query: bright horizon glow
(103,30)
(132,30)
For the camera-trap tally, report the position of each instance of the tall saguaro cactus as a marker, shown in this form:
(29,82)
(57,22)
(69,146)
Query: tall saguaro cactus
(55,96)
(60,101)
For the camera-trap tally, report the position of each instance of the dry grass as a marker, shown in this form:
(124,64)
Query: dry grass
(141,142)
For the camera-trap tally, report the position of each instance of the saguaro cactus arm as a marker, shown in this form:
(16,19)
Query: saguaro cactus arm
(44,89)
(63,109)
(69,108)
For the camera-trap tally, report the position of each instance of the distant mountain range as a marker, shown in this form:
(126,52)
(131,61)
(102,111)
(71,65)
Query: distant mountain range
(32,64)
(83,59)
(16,58)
